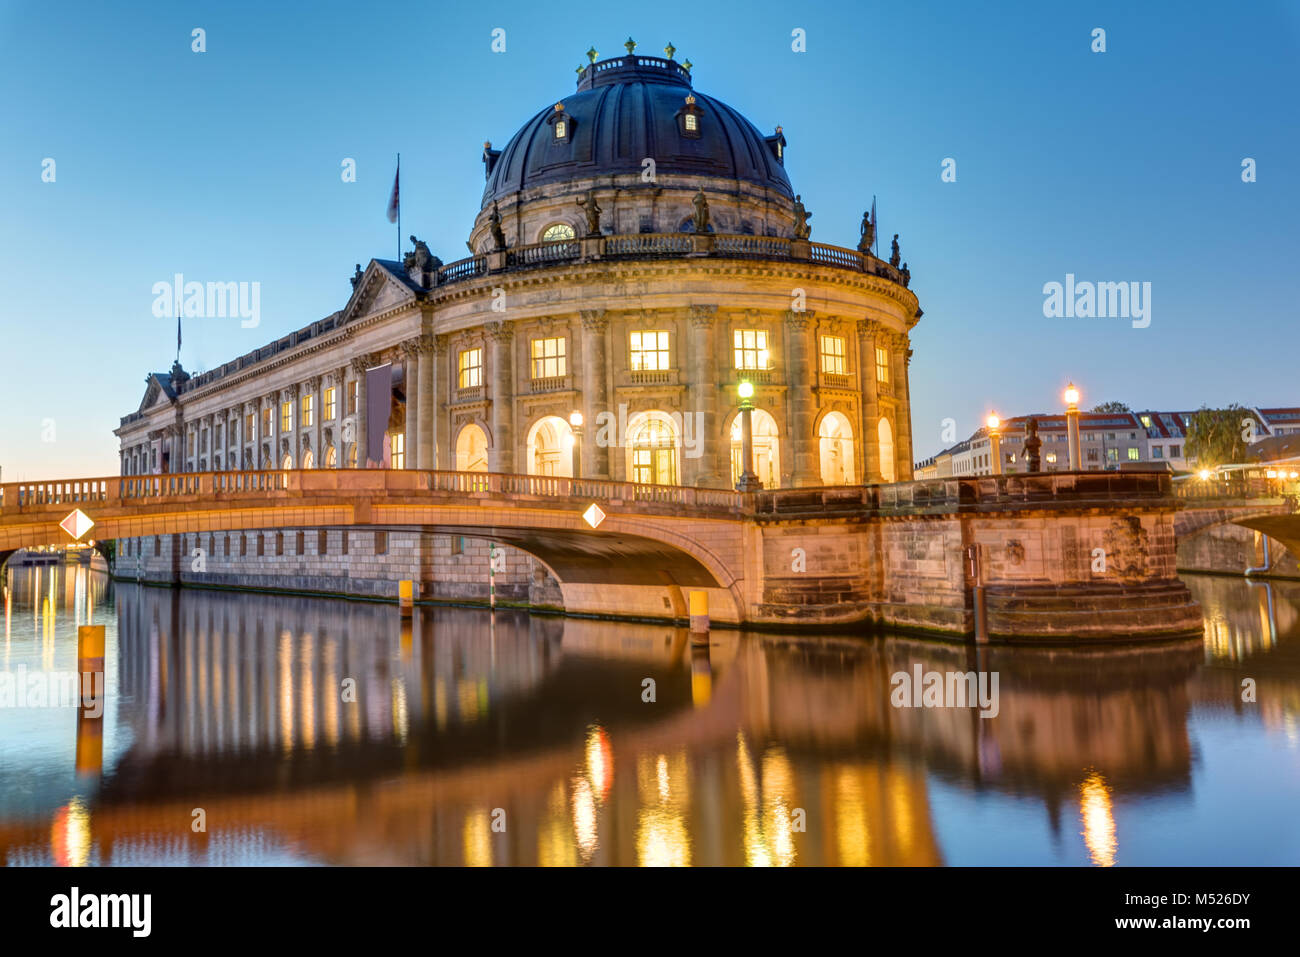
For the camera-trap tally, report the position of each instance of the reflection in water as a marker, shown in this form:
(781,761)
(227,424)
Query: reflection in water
(322,731)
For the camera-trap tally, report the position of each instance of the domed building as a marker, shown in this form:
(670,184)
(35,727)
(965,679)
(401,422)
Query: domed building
(639,253)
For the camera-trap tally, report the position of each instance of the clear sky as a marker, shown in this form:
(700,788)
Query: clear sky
(225,165)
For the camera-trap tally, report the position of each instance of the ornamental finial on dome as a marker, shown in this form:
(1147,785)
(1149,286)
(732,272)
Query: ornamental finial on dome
(630,45)
(670,49)
(686,65)
(559,107)
(591,55)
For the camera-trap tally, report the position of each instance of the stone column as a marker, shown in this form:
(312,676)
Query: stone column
(411,383)
(317,410)
(801,439)
(595,394)
(902,390)
(708,471)
(428,399)
(359,366)
(501,455)
(444,442)
(295,416)
(269,440)
(868,441)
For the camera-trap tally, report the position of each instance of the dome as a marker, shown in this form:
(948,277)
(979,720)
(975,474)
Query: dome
(625,110)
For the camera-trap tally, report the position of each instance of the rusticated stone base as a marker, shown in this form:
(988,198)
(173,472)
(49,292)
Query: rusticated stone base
(1101,610)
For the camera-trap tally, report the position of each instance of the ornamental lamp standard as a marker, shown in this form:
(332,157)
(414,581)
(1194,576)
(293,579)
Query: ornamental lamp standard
(995,442)
(575,425)
(748,481)
(1072,425)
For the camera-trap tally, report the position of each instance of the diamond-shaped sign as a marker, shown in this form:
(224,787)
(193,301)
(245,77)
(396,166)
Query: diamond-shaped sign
(77,523)
(593,516)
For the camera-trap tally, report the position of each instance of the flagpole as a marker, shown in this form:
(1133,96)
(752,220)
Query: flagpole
(399,210)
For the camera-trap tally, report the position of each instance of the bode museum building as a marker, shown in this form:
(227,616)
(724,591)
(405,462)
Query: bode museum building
(639,254)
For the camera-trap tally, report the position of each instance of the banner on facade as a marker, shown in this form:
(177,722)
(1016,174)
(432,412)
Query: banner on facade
(379,405)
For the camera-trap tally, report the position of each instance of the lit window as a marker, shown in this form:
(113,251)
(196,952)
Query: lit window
(691,123)
(397,446)
(470,364)
(1132,455)
(1112,455)
(558,233)
(330,409)
(1051,457)
(352,397)
(833,354)
(307,409)
(882,365)
(560,128)
(548,358)
(266,421)
(286,416)
(1146,420)
(649,351)
(751,348)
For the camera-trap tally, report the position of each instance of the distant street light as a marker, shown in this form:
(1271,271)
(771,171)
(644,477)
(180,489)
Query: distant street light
(1072,425)
(995,442)
(575,423)
(748,480)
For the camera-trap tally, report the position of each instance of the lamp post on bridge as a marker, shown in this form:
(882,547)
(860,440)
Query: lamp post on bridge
(995,442)
(1072,425)
(575,425)
(748,481)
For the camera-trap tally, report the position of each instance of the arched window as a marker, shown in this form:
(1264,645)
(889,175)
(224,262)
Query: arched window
(352,456)
(550,447)
(471,449)
(558,233)
(835,436)
(332,457)
(767,459)
(286,463)
(886,446)
(652,448)
(308,460)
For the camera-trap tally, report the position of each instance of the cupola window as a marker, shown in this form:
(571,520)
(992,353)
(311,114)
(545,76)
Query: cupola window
(690,119)
(558,233)
(562,125)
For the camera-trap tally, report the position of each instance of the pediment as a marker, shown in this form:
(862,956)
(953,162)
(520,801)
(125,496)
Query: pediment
(153,395)
(377,292)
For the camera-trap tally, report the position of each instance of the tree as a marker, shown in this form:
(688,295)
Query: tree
(1217,436)
(1112,407)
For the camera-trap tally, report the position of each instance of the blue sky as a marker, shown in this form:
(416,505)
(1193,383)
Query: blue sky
(225,165)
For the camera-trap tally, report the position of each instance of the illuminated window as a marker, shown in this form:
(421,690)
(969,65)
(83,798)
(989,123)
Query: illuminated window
(833,354)
(1112,455)
(649,351)
(352,397)
(692,123)
(558,233)
(548,358)
(397,443)
(330,405)
(286,416)
(249,422)
(561,129)
(751,348)
(882,365)
(470,364)
(307,409)
(1051,457)
(266,421)
(1132,454)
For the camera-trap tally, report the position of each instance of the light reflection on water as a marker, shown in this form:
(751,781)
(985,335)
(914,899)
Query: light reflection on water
(319,731)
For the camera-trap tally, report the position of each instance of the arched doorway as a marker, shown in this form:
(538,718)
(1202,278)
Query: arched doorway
(886,447)
(471,449)
(550,447)
(652,448)
(767,458)
(835,436)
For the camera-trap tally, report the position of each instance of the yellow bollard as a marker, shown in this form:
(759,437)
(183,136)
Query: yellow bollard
(89,758)
(406,597)
(90,649)
(699,612)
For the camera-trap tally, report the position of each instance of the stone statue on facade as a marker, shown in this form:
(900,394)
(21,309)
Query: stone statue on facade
(701,218)
(494,226)
(906,274)
(420,258)
(894,257)
(801,216)
(592,210)
(867,232)
(356,278)
(1032,444)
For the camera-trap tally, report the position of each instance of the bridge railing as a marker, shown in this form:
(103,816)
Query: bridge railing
(70,492)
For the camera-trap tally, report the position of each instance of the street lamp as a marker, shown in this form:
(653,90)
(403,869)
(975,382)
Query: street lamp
(995,442)
(748,480)
(575,423)
(1072,425)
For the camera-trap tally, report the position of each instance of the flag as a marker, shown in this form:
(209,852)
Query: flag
(394,202)
(178,335)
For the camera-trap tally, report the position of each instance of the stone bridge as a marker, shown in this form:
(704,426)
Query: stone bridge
(909,555)
(1229,533)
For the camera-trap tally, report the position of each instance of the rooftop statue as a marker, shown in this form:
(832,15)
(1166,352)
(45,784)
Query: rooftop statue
(494,224)
(894,258)
(592,210)
(867,231)
(801,216)
(356,278)
(1032,444)
(701,218)
(420,258)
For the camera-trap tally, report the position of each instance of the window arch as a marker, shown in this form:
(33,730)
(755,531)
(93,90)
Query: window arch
(352,456)
(653,448)
(308,459)
(286,463)
(767,458)
(550,447)
(332,457)
(835,437)
(471,449)
(558,233)
(885,435)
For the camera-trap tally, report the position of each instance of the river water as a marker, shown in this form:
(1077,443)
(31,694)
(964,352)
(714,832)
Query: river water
(258,729)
